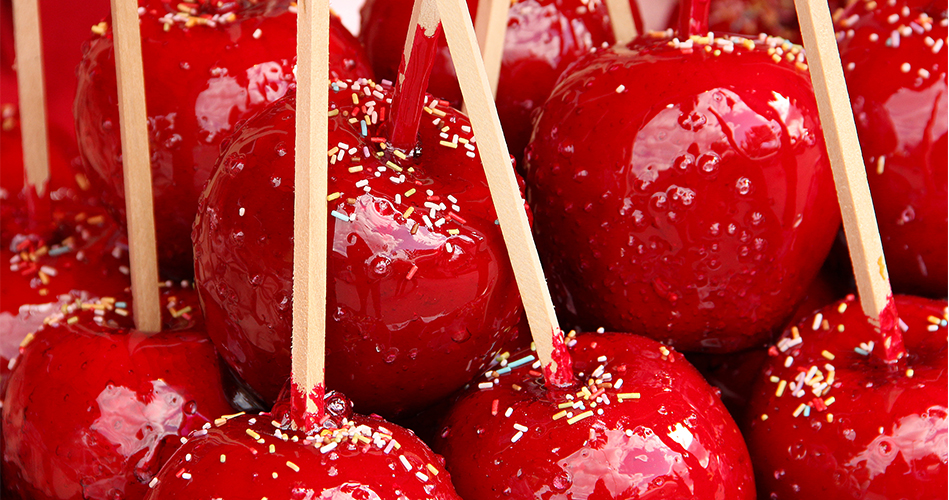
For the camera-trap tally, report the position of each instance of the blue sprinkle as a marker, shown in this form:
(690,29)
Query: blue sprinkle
(504,371)
(120,305)
(807,411)
(59,250)
(365,130)
(342,217)
(335,87)
(522,361)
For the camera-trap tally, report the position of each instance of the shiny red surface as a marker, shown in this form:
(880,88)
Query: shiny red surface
(37,284)
(887,437)
(200,81)
(902,121)
(543,38)
(681,195)
(92,411)
(408,320)
(228,462)
(675,441)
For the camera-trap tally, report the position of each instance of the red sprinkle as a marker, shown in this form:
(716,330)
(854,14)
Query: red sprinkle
(494,408)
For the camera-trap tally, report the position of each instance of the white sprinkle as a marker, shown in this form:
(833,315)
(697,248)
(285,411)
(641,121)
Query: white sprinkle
(517,437)
(485,385)
(398,199)
(893,18)
(448,247)
(817,321)
(521,428)
(788,362)
(618,384)
(905,67)
(938,46)
(452,199)
(509,412)
(389,446)
(405,463)
(241,212)
(188,457)
(620,89)
(362,183)
(329,447)
(186,475)
(257,33)
(422,477)
(153,482)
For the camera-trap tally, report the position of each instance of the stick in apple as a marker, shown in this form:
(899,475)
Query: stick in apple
(309,215)
(136,163)
(421,44)
(621,17)
(850,176)
(491,26)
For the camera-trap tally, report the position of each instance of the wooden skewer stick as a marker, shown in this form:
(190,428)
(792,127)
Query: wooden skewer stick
(136,161)
(31,89)
(621,17)
(418,58)
(508,203)
(490,27)
(850,176)
(309,214)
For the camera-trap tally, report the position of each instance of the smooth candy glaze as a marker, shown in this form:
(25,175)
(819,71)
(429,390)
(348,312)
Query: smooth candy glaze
(201,80)
(663,433)
(259,456)
(93,410)
(874,431)
(681,190)
(417,303)
(895,61)
(543,37)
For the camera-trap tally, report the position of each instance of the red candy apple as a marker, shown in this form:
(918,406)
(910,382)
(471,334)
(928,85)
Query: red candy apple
(420,291)
(895,63)
(94,408)
(681,189)
(639,423)
(828,420)
(205,70)
(261,456)
(543,37)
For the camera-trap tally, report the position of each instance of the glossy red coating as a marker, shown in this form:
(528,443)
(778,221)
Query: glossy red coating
(674,440)
(543,38)
(680,193)
(752,17)
(93,410)
(84,259)
(200,82)
(414,311)
(260,456)
(876,431)
(896,75)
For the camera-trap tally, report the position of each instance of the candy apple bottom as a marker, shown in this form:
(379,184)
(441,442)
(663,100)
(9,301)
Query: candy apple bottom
(210,78)
(680,193)
(899,96)
(260,456)
(641,423)
(827,420)
(420,291)
(94,408)
(543,37)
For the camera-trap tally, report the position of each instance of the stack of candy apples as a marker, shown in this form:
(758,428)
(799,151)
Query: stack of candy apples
(611,284)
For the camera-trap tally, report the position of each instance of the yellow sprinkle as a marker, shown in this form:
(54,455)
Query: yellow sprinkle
(588,413)
(827,354)
(355,98)
(438,112)
(627,395)
(393,166)
(121,312)
(775,379)
(842,307)
(562,414)
(408,212)
(333,151)
(275,475)
(333,196)
(73,320)
(829,401)
(353,120)
(357,168)
(410,192)
(427,109)
(781,386)
(799,410)
(100,28)
(179,312)
(565,405)
(251,433)
(272,448)
(223,458)
(934,320)
(830,418)
(764,416)
(795,332)
(448,144)
(220,421)
(454,232)
(909,372)
(400,154)
(446,128)
(332,113)
(26,340)
(295,467)
(431,468)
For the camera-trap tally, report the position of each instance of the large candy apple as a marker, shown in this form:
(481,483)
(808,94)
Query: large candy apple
(420,290)
(895,62)
(205,69)
(827,419)
(640,422)
(94,408)
(681,189)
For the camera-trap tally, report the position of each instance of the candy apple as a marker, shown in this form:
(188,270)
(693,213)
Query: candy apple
(895,66)
(829,420)
(94,407)
(543,37)
(420,290)
(205,70)
(263,456)
(639,423)
(681,189)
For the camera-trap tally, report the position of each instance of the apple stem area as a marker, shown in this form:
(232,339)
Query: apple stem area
(417,62)
(693,18)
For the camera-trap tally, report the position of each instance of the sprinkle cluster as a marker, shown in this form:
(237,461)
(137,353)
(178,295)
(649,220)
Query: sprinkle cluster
(779,49)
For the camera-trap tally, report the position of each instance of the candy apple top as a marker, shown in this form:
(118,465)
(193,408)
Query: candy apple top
(895,64)
(681,189)
(751,17)
(641,423)
(94,408)
(205,70)
(420,290)
(543,37)
(261,456)
(828,420)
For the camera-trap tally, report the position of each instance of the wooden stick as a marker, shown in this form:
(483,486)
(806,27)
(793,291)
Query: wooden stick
(490,27)
(309,214)
(418,58)
(508,203)
(31,89)
(850,176)
(621,17)
(136,161)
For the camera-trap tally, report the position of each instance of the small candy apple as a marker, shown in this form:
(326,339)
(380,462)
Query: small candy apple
(828,420)
(639,423)
(206,69)
(895,64)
